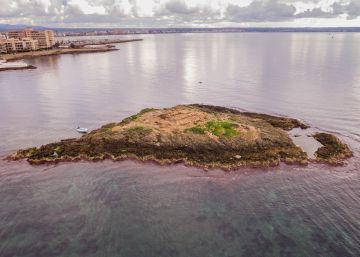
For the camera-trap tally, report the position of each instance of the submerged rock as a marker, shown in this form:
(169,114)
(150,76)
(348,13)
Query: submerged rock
(196,135)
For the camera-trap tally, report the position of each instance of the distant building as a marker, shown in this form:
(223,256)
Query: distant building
(45,38)
(118,31)
(2,48)
(30,44)
(8,45)
(16,45)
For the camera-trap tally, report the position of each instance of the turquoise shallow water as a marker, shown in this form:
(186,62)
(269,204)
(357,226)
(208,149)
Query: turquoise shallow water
(135,209)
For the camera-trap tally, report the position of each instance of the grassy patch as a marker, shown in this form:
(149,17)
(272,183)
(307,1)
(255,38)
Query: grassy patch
(146,110)
(196,130)
(222,128)
(217,128)
(28,152)
(108,126)
(105,129)
(136,116)
(139,129)
(278,122)
(130,119)
(58,150)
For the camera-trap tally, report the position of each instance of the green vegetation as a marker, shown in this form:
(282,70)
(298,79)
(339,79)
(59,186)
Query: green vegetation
(218,128)
(136,116)
(146,110)
(222,128)
(139,129)
(58,150)
(333,149)
(284,123)
(108,126)
(27,153)
(196,130)
(129,119)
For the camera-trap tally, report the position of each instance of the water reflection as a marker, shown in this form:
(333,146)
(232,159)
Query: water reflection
(312,76)
(129,209)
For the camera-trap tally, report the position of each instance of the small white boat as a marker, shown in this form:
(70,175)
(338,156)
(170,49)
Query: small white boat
(82,130)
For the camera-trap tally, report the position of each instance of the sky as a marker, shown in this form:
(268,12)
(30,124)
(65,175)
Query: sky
(181,13)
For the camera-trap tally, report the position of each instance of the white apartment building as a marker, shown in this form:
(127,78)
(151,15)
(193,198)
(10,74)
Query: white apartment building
(45,38)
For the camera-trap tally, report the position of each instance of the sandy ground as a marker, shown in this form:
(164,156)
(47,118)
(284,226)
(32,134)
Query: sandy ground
(182,118)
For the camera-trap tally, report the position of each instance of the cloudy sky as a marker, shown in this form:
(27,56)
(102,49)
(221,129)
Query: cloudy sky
(181,13)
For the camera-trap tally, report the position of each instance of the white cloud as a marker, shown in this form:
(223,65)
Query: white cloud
(261,11)
(180,13)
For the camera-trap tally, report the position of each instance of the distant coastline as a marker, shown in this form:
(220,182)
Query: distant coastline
(159,30)
(85,48)
(63,32)
(33,54)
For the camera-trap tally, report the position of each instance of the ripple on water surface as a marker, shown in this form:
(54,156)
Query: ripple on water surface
(130,209)
(133,209)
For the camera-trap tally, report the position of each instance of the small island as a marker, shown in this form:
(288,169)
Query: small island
(196,135)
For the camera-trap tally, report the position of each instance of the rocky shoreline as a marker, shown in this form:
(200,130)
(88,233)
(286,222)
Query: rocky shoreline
(195,135)
(107,42)
(29,55)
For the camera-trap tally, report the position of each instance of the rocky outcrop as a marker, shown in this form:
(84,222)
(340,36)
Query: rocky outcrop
(196,135)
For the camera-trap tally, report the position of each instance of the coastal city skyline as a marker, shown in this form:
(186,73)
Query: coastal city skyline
(181,13)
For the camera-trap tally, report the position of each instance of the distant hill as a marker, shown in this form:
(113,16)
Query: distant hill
(5,27)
